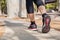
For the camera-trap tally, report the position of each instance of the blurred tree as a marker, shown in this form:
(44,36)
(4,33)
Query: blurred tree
(35,7)
(52,5)
(4,6)
(0,4)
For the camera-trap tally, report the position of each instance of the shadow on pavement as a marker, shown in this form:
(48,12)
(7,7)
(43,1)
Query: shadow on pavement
(19,31)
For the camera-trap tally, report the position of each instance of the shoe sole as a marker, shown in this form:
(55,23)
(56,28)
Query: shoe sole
(35,29)
(46,29)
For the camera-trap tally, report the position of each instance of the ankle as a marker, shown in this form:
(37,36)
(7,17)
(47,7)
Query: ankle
(32,22)
(44,15)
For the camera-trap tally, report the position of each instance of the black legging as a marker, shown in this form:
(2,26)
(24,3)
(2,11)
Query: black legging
(29,5)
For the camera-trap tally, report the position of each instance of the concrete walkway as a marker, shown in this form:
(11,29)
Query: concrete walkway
(17,30)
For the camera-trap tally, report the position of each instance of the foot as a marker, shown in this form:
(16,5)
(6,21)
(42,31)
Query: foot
(46,26)
(33,27)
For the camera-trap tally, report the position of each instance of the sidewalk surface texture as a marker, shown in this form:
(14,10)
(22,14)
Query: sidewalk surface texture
(16,29)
